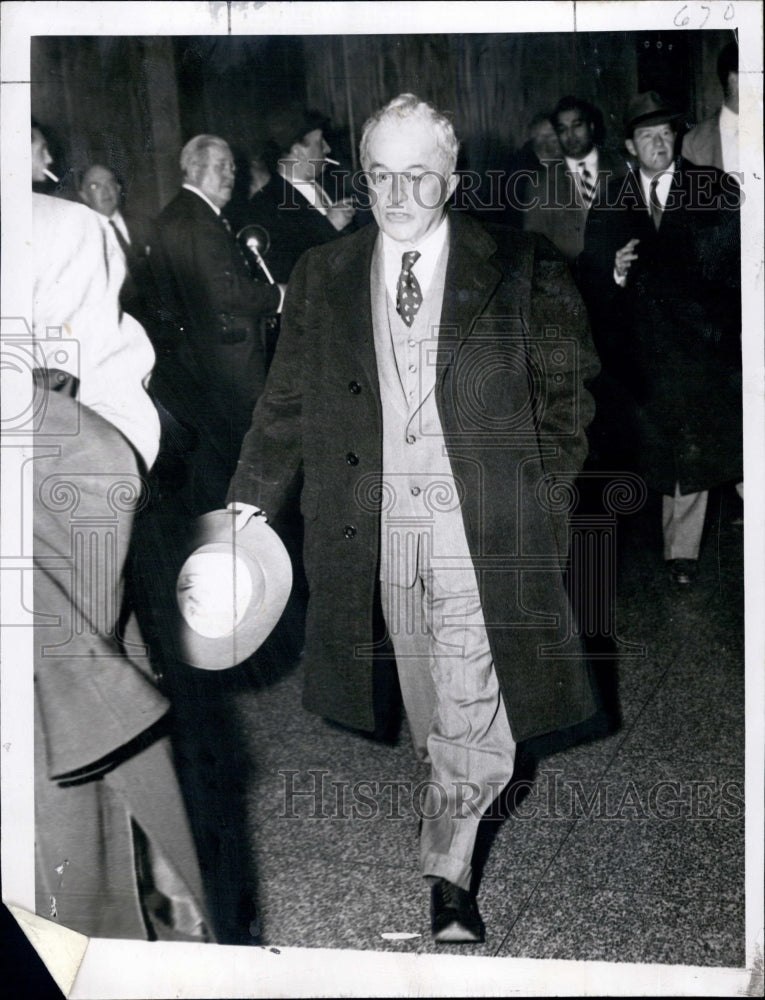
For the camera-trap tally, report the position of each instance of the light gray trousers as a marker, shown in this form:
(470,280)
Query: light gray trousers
(454,708)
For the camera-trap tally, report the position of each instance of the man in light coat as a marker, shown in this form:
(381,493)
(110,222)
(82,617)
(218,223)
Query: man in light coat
(714,141)
(429,380)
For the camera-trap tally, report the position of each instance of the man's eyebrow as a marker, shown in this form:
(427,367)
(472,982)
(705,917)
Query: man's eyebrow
(405,170)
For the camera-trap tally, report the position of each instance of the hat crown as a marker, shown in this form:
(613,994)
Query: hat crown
(649,108)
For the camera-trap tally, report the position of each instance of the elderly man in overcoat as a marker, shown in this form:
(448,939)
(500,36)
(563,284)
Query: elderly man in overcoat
(661,275)
(429,379)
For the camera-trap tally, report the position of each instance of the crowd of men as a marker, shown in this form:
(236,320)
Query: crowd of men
(362,360)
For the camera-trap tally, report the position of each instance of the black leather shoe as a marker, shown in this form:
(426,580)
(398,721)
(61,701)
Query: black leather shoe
(454,916)
(682,571)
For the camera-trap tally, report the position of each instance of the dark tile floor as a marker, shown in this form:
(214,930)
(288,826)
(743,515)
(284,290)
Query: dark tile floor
(627,845)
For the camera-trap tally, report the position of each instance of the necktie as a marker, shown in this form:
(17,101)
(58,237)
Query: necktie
(588,188)
(654,204)
(408,293)
(124,245)
(246,258)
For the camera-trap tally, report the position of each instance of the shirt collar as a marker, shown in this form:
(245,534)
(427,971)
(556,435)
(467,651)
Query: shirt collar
(190,187)
(663,184)
(728,118)
(429,249)
(590,161)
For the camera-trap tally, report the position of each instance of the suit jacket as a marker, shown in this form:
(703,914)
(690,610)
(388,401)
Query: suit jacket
(513,407)
(672,336)
(558,211)
(138,295)
(216,368)
(292,222)
(702,145)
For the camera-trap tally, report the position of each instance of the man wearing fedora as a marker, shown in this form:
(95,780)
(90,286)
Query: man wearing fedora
(293,207)
(429,380)
(660,272)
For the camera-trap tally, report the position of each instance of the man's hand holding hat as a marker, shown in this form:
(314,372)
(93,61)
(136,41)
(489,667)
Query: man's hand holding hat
(232,587)
(244,512)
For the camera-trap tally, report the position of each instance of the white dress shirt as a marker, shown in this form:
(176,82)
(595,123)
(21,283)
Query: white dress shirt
(313,193)
(590,162)
(429,249)
(663,184)
(729,138)
(117,220)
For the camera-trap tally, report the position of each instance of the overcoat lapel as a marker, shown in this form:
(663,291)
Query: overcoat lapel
(350,298)
(471,279)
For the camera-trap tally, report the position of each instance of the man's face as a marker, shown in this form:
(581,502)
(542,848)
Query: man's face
(408,179)
(544,141)
(654,146)
(215,176)
(310,155)
(574,133)
(100,191)
(41,157)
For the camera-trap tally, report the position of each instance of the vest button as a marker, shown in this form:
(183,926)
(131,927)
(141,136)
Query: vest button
(352,459)
(349,531)
(354,387)
(410,439)
(415,491)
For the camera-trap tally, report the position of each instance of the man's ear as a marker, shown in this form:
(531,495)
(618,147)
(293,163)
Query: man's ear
(631,149)
(451,185)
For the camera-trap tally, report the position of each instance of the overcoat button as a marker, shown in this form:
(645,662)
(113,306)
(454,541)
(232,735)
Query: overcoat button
(349,531)
(410,439)
(354,387)
(352,459)
(415,491)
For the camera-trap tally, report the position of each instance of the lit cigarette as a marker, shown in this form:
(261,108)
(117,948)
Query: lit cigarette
(51,176)
(335,163)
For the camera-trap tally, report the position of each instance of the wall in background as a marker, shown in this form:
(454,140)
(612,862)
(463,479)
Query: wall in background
(132,102)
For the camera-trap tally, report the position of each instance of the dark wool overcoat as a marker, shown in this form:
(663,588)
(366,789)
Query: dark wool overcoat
(671,339)
(514,350)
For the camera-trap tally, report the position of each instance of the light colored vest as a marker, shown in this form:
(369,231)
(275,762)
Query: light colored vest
(421,519)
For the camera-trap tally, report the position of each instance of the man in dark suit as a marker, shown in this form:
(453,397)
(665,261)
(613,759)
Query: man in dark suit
(293,206)
(660,272)
(416,383)
(216,368)
(100,190)
(558,204)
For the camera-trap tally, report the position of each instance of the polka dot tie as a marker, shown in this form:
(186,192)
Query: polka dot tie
(409,295)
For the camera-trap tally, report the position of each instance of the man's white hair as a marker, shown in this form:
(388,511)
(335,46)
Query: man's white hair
(196,151)
(408,106)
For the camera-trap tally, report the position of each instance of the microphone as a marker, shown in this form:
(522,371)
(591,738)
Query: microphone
(257,241)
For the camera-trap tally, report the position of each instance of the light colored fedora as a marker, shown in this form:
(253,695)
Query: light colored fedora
(231,590)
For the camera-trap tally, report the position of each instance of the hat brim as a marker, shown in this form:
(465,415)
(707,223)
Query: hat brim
(654,118)
(261,550)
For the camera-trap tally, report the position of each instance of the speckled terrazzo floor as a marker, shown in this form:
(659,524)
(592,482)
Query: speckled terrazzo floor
(625,846)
